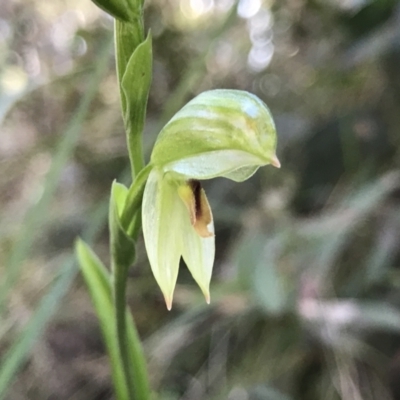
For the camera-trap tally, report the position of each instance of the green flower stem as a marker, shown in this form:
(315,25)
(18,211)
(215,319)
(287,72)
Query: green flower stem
(122,257)
(119,297)
(134,69)
(133,59)
(131,216)
(130,348)
(124,230)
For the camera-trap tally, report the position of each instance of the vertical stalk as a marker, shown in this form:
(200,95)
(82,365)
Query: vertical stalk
(122,256)
(134,70)
(119,299)
(133,61)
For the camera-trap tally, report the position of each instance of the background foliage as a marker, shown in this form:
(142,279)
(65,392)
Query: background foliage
(305,294)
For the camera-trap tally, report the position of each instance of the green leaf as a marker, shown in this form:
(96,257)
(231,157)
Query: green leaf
(137,360)
(122,246)
(23,343)
(128,37)
(268,285)
(120,195)
(135,86)
(38,214)
(18,353)
(256,259)
(120,9)
(97,280)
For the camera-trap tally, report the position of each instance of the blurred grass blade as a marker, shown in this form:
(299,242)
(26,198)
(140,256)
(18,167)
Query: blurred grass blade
(137,360)
(384,251)
(37,215)
(377,315)
(332,233)
(267,393)
(268,287)
(97,281)
(256,259)
(18,352)
(16,355)
(7,101)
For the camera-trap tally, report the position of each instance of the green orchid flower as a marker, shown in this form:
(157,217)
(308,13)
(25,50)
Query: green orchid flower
(220,133)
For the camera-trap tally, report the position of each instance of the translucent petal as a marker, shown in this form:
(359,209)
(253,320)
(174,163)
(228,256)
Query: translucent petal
(162,213)
(198,252)
(217,120)
(241,174)
(217,163)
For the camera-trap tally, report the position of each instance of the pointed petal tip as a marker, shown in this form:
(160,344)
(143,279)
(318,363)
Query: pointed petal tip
(168,302)
(206,294)
(275,162)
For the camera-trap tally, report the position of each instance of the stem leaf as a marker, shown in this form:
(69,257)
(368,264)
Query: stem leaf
(122,246)
(135,85)
(119,9)
(128,36)
(130,217)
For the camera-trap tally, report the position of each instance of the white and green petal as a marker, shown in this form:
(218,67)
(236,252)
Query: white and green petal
(162,212)
(177,222)
(198,235)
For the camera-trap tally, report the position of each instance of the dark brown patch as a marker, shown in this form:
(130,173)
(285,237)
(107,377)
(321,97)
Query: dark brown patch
(196,189)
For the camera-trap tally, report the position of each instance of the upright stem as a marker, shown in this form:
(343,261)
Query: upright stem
(129,40)
(119,297)
(134,71)
(122,256)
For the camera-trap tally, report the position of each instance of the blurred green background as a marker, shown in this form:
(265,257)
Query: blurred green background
(306,289)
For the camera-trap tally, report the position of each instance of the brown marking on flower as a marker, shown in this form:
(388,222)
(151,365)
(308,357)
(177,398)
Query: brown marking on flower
(194,197)
(202,210)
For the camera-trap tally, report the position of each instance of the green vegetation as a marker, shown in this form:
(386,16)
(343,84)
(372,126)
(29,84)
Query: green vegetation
(305,285)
